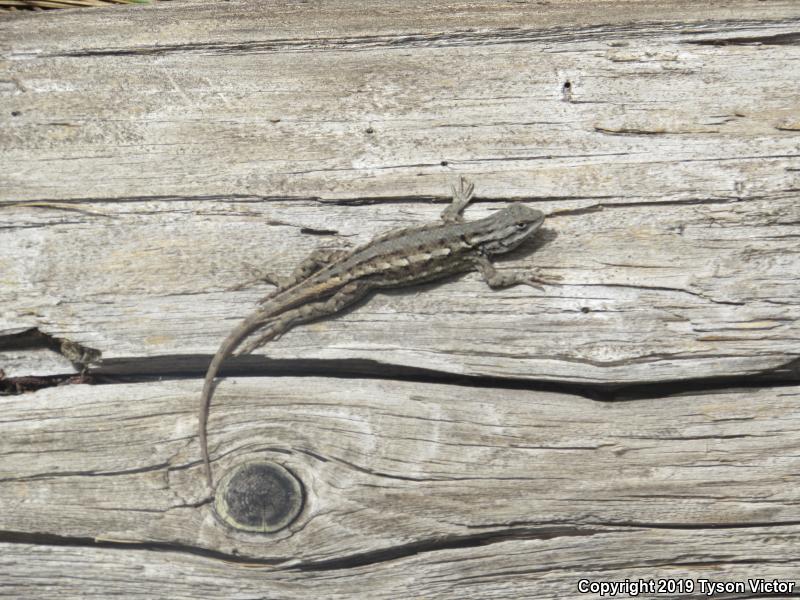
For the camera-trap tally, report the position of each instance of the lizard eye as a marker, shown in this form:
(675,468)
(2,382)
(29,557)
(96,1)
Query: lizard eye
(521,225)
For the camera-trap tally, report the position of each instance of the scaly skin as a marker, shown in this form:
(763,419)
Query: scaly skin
(396,259)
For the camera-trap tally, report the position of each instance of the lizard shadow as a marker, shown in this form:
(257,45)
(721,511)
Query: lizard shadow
(542,238)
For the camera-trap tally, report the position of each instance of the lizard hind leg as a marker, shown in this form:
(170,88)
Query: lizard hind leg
(273,332)
(318,259)
(304,314)
(462,196)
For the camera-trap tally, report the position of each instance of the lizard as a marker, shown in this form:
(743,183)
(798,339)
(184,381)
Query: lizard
(330,280)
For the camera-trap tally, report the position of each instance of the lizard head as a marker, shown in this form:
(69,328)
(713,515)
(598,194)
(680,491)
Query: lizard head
(507,229)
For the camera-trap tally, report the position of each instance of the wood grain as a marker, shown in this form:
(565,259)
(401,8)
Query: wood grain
(645,295)
(524,566)
(388,465)
(157,160)
(145,181)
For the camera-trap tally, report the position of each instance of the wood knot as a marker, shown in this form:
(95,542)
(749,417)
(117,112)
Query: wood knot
(259,496)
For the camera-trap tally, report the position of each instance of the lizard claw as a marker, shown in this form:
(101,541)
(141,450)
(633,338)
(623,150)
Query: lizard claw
(539,282)
(530,282)
(535,276)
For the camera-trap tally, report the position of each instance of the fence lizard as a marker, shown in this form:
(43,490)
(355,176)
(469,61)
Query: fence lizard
(328,281)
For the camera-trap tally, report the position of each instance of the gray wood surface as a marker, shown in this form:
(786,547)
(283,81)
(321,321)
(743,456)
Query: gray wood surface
(544,566)
(157,160)
(405,468)
(147,181)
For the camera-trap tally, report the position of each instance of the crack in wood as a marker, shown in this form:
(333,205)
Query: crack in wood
(451,542)
(30,339)
(148,369)
(49,539)
(466,37)
(60,474)
(780,39)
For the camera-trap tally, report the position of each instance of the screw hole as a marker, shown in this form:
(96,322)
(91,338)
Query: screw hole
(585,309)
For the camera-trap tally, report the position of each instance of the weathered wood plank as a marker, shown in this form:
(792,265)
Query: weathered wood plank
(240,109)
(645,295)
(142,178)
(390,465)
(157,173)
(522,566)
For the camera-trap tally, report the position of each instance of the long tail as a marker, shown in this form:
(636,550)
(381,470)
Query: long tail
(234,339)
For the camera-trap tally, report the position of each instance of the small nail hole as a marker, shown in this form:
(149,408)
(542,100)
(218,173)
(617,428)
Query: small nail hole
(585,309)
(566,91)
(444,163)
(15,113)
(370,130)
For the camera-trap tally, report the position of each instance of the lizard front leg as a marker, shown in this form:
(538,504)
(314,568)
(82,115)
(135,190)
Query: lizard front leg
(496,280)
(462,196)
